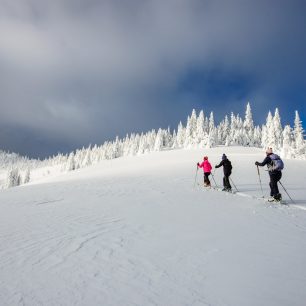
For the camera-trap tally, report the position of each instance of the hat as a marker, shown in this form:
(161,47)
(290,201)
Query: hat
(205,158)
(269,151)
(224,157)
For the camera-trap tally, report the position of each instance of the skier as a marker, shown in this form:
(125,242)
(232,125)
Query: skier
(274,172)
(206,169)
(227,170)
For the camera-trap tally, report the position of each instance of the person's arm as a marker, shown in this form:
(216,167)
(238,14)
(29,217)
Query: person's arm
(201,165)
(221,164)
(266,161)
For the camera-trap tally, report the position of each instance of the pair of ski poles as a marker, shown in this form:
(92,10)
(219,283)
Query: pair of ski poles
(279,182)
(196,176)
(231,180)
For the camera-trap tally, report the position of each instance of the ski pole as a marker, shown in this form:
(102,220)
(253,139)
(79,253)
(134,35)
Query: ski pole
(233,184)
(212,175)
(196,176)
(260,181)
(286,192)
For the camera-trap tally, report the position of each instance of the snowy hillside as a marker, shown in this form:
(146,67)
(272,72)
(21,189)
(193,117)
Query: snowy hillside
(135,231)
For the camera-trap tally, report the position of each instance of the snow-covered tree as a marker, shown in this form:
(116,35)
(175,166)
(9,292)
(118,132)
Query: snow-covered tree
(268,136)
(70,166)
(193,125)
(86,159)
(298,135)
(212,134)
(27,176)
(13,178)
(287,149)
(159,141)
(180,135)
(200,132)
(223,131)
(248,126)
(278,130)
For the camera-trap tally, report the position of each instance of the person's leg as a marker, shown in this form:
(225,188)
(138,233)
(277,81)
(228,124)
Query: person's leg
(228,182)
(277,195)
(273,185)
(208,181)
(277,178)
(271,188)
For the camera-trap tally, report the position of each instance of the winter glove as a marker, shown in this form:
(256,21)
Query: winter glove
(198,164)
(256,163)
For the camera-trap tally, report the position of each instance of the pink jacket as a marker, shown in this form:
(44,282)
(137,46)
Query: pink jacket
(206,166)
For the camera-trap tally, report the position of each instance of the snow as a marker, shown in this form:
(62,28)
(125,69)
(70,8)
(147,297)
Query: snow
(135,231)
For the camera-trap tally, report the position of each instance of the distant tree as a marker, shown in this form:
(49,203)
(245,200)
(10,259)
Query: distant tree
(298,135)
(188,133)
(287,142)
(159,141)
(70,165)
(278,130)
(180,135)
(248,126)
(27,176)
(200,132)
(13,178)
(269,139)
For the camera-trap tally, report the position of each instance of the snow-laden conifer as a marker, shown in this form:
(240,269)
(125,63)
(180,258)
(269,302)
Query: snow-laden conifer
(248,126)
(181,135)
(13,178)
(287,150)
(27,176)
(278,130)
(70,165)
(298,132)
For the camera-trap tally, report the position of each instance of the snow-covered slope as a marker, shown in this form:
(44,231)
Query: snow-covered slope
(134,231)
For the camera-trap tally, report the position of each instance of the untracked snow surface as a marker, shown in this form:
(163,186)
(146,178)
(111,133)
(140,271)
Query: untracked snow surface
(135,231)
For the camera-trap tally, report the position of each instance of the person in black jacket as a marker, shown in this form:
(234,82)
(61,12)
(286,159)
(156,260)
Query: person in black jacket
(275,176)
(227,170)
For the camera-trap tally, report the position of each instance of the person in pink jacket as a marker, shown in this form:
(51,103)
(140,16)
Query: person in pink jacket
(206,169)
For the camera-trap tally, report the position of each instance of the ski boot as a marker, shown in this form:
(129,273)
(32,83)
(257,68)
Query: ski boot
(278,197)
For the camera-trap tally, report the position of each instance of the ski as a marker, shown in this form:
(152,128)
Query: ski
(241,194)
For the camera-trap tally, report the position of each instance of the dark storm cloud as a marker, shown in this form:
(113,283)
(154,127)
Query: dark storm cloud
(80,71)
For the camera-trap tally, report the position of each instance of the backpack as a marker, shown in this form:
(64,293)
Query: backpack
(277,163)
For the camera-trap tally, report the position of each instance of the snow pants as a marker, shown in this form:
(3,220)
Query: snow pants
(226,182)
(206,179)
(274,178)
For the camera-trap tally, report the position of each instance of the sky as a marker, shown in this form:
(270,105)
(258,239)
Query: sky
(79,72)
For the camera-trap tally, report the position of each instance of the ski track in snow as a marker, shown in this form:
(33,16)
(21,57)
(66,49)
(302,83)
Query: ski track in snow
(142,235)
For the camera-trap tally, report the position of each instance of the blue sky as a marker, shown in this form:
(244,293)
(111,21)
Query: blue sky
(76,72)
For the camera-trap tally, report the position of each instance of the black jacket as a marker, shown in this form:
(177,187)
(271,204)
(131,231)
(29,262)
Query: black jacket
(227,166)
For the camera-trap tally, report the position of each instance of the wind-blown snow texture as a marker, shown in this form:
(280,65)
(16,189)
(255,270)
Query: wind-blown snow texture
(134,231)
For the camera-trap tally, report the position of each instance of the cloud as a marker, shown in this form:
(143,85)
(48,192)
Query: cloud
(85,70)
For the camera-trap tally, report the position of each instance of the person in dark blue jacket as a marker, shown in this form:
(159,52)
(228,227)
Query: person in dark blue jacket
(227,170)
(275,176)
